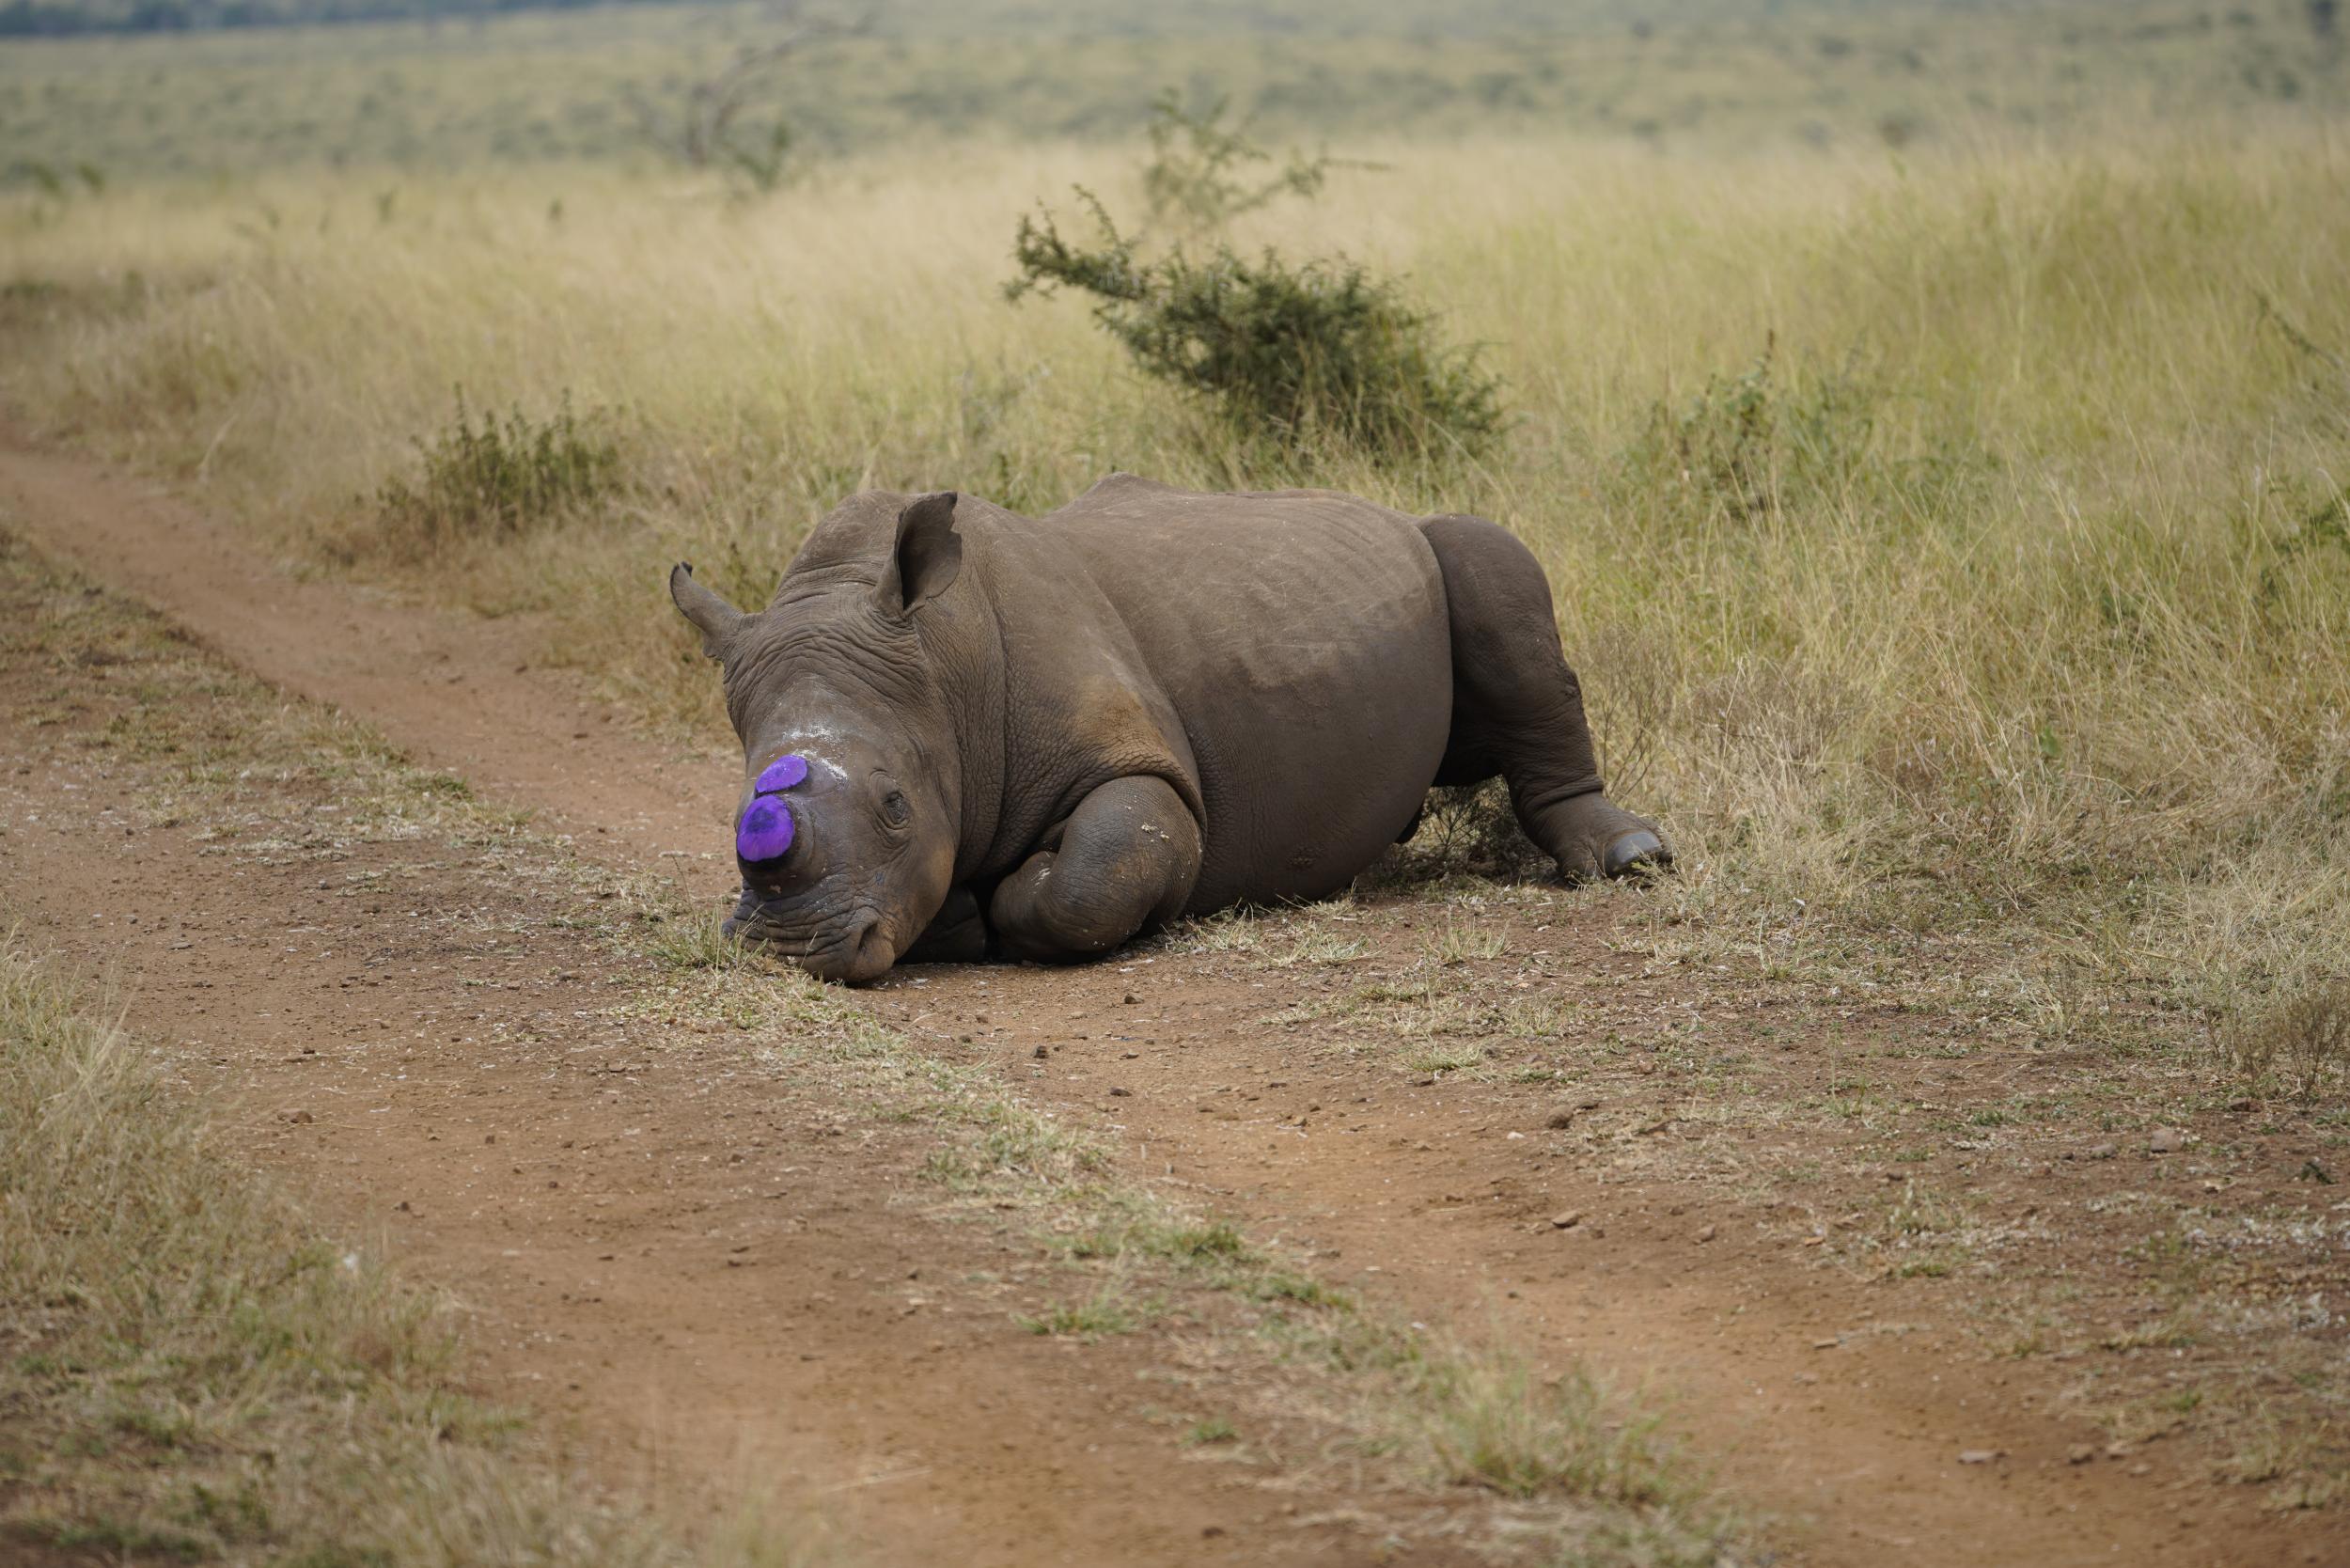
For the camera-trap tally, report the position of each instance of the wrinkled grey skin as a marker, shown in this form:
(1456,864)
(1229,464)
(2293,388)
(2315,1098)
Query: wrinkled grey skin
(1039,737)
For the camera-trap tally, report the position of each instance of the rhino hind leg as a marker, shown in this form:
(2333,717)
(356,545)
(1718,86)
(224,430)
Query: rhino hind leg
(1124,862)
(1517,711)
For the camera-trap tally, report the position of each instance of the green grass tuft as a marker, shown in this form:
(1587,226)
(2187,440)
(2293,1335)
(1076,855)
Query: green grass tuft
(493,480)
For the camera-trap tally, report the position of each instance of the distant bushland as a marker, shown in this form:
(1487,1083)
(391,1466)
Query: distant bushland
(65,18)
(466,86)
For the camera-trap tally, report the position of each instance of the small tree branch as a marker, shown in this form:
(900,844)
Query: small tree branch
(704,128)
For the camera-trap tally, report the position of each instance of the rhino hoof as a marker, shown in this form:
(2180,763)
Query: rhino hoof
(1634,854)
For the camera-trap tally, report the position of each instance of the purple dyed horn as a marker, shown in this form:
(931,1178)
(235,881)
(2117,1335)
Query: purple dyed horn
(765,831)
(781,774)
(767,828)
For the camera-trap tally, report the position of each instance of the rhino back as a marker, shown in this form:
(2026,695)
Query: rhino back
(1300,638)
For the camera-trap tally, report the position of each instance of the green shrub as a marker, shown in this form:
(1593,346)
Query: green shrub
(494,481)
(1764,441)
(1300,354)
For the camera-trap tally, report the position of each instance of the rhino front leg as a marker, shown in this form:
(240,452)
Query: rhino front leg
(1122,862)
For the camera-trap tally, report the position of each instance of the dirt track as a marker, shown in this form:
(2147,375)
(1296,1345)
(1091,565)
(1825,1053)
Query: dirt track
(712,1270)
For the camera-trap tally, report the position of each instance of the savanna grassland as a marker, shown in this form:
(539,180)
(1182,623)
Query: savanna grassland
(1934,419)
(1951,537)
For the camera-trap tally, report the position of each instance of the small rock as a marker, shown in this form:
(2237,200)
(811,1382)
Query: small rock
(1978,1456)
(1561,1118)
(2081,1453)
(1825,1344)
(2103,1152)
(1706,1234)
(1566,1219)
(1588,1102)
(1121,1093)
(1042,1052)
(300,1117)
(2167,1140)
(2242,1103)
(1132,998)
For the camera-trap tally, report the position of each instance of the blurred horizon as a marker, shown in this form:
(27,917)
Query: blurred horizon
(239,89)
(1067,18)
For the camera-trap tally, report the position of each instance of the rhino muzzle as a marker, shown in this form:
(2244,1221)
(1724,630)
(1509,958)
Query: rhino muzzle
(837,945)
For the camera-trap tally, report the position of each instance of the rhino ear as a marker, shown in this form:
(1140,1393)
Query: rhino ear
(714,617)
(927,556)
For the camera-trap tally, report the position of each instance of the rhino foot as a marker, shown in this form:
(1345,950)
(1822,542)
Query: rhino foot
(1125,860)
(1631,854)
(1591,837)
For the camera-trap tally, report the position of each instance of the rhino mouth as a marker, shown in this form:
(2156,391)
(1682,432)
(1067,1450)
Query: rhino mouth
(837,945)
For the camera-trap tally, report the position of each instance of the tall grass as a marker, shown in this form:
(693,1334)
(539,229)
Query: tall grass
(1955,545)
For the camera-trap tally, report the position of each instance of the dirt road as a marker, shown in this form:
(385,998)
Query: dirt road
(709,1268)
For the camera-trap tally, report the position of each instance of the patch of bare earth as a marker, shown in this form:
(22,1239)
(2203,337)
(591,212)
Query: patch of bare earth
(1923,1289)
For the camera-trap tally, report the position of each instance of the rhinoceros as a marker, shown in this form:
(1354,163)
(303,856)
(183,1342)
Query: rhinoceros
(968,733)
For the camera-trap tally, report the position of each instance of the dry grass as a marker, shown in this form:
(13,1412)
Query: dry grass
(192,1372)
(2300,1046)
(1953,546)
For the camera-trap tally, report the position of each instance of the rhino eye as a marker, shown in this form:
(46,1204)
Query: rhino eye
(894,807)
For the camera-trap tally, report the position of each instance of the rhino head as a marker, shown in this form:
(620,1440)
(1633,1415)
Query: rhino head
(848,823)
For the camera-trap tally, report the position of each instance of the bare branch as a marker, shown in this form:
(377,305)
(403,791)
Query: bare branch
(703,131)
